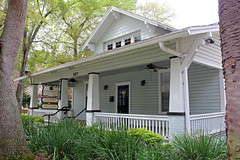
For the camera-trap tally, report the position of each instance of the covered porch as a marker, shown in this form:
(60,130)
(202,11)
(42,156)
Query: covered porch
(118,89)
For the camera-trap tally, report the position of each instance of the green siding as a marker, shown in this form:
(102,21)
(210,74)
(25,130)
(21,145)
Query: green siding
(204,89)
(143,99)
(78,99)
(124,26)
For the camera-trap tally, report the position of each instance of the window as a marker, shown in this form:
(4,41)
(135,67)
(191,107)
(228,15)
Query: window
(123,40)
(118,44)
(137,38)
(165,87)
(110,46)
(128,41)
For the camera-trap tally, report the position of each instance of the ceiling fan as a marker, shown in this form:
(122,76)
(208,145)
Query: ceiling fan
(153,67)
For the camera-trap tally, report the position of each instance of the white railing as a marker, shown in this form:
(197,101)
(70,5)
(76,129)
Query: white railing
(156,123)
(208,123)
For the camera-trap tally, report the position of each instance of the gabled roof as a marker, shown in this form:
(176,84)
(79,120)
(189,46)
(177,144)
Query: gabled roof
(114,13)
(161,38)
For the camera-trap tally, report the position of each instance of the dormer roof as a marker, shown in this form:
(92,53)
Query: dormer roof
(115,13)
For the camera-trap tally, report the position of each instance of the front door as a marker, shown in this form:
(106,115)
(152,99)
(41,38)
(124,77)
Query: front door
(123,99)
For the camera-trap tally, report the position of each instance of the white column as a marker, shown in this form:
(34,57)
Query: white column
(186,99)
(63,96)
(34,98)
(93,97)
(176,112)
(176,87)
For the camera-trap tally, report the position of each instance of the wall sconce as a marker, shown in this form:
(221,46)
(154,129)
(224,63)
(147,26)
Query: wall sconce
(143,83)
(105,87)
(209,41)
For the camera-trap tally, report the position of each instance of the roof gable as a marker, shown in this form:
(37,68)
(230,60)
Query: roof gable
(115,13)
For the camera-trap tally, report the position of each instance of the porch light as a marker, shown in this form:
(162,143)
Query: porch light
(209,41)
(143,83)
(105,87)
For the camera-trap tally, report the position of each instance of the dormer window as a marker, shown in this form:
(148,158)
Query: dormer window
(118,44)
(123,41)
(137,38)
(128,41)
(110,46)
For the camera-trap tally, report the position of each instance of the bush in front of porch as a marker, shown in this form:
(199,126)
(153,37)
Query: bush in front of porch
(71,140)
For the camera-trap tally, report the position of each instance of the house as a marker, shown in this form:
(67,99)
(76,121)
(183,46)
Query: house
(142,74)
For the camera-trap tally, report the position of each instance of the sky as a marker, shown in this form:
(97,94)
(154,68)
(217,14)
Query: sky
(191,12)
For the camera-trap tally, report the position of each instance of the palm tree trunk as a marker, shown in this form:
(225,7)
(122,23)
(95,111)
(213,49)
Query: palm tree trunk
(230,44)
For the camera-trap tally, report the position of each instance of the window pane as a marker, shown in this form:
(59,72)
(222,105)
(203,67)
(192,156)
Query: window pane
(110,46)
(137,38)
(127,41)
(165,87)
(118,44)
(165,101)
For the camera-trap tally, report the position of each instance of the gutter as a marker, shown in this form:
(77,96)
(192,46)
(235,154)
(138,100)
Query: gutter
(144,43)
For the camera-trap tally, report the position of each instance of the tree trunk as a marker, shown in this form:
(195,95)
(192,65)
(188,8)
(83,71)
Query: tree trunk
(230,44)
(12,139)
(19,91)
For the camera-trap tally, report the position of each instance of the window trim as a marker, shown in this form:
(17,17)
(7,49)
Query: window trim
(122,39)
(160,91)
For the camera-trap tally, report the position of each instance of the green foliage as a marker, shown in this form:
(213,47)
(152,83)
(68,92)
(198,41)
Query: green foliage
(70,140)
(200,147)
(146,135)
(26,99)
(31,124)
(156,11)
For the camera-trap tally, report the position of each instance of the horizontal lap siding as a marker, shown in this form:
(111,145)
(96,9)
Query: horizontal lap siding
(124,26)
(210,54)
(78,99)
(143,99)
(204,89)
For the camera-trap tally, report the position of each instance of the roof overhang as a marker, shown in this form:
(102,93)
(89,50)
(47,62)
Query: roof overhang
(114,13)
(148,42)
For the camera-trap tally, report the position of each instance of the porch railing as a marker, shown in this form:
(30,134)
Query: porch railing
(156,123)
(210,123)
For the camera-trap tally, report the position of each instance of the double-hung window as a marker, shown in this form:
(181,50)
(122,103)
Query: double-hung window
(164,87)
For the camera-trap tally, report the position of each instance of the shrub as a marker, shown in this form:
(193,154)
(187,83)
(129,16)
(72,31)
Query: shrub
(58,140)
(146,135)
(31,124)
(200,147)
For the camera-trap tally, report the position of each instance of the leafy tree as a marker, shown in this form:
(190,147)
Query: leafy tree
(12,139)
(76,19)
(37,16)
(230,38)
(156,11)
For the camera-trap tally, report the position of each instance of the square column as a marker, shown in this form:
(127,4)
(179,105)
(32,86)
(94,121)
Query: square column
(177,124)
(63,102)
(34,98)
(93,97)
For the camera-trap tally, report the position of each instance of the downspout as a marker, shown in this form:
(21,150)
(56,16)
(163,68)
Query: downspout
(169,50)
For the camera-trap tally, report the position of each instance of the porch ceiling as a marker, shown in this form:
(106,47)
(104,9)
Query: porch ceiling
(127,61)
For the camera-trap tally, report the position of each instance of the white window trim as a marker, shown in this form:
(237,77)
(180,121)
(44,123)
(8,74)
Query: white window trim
(129,95)
(160,90)
(122,39)
(85,94)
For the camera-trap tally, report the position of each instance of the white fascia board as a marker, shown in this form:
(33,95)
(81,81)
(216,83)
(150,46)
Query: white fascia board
(144,43)
(99,25)
(133,15)
(203,29)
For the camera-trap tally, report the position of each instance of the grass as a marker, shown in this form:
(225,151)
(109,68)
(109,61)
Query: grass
(71,140)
